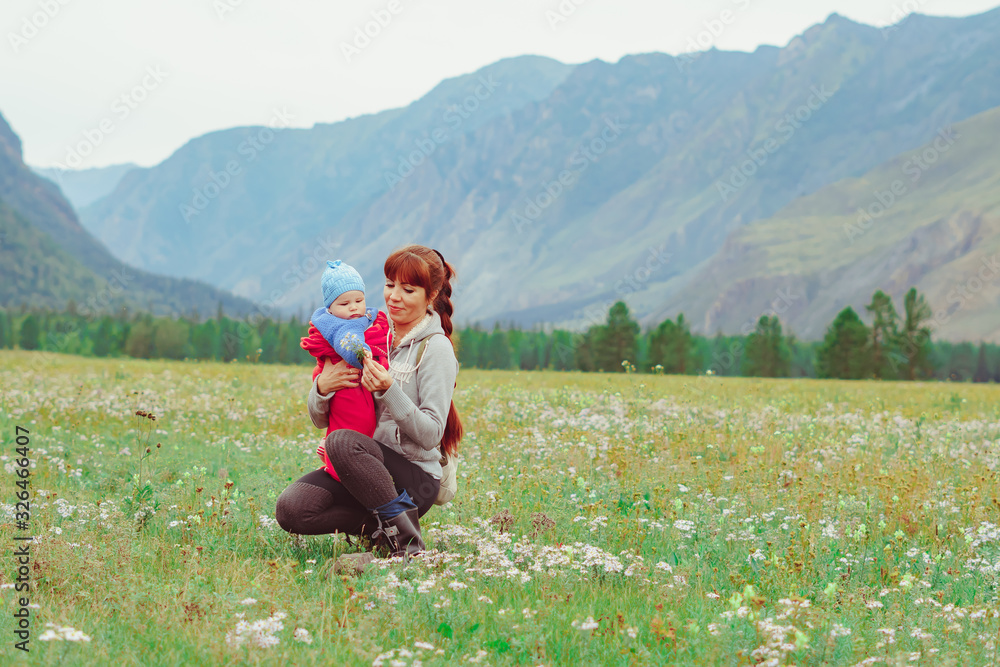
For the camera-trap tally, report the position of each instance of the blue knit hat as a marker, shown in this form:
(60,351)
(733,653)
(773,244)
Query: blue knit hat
(339,278)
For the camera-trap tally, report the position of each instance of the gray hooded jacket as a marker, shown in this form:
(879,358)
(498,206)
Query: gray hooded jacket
(411,414)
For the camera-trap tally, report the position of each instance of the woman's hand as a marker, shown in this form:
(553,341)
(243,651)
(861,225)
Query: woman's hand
(374,377)
(335,377)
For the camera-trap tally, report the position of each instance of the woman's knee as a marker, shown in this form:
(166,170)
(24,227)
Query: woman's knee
(344,446)
(284,512)
(298,504)
(284,515)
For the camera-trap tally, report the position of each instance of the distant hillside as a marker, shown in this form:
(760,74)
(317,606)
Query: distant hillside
(85,186)
(35,270)
(294,187)
(570,187)
(929,218)
(49,259)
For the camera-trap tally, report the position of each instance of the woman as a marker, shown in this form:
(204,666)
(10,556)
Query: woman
(387,482)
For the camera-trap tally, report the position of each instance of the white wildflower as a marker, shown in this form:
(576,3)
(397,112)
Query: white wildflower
(67,633)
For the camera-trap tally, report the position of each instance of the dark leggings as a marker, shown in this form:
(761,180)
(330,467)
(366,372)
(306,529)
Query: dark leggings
(371,475)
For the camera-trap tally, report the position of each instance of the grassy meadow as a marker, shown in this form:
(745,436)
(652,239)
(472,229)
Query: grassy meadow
(601,520)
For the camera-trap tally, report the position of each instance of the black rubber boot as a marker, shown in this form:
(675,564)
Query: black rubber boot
(400,534)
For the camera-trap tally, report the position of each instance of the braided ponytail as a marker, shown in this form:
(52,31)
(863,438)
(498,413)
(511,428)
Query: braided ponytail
(442,304)
(453,430)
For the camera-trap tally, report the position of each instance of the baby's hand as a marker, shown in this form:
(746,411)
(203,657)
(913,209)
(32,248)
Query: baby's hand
(321,452)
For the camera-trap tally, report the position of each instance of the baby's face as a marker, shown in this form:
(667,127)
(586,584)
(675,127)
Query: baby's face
(348,305)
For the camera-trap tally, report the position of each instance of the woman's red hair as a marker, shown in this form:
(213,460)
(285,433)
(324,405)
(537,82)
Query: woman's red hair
(424,267)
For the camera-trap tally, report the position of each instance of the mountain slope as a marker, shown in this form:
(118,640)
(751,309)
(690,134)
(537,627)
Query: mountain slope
(929,218)
(43,233)
(595,242)
(649,151)
(83,187)
(34,270)
(297,187)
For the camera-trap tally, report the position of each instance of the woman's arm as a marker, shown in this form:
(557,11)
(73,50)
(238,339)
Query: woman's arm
(319,406)
(333,378)
(435,379)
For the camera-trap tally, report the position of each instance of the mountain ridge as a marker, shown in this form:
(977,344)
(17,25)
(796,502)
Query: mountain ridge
(838,100)
(42,240)
(82,187)
(908,222)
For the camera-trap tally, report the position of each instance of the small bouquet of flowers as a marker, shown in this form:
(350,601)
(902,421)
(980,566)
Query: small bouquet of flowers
(355,344)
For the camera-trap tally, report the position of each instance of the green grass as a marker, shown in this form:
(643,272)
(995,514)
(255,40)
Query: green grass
(695,520)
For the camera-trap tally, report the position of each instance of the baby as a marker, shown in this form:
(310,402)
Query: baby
(345,329)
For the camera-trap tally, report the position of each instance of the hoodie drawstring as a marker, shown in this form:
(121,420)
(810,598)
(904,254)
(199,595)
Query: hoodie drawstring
(405,371)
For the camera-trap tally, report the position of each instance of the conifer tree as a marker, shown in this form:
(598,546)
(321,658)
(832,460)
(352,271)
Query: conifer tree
(961,364)
(619,339)
(140,339)
(205,339)
(170,339)
(528,356)
(585,353)
(498,354)
(514,338)
(470,343)
(767,353)
(103,337)
(671,346)
(268,341)
(30,332)
(914,340)
(982,373)
(844,352)
(561,354)
(884,334)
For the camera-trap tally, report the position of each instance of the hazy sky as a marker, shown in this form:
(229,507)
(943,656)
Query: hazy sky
(187,67)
